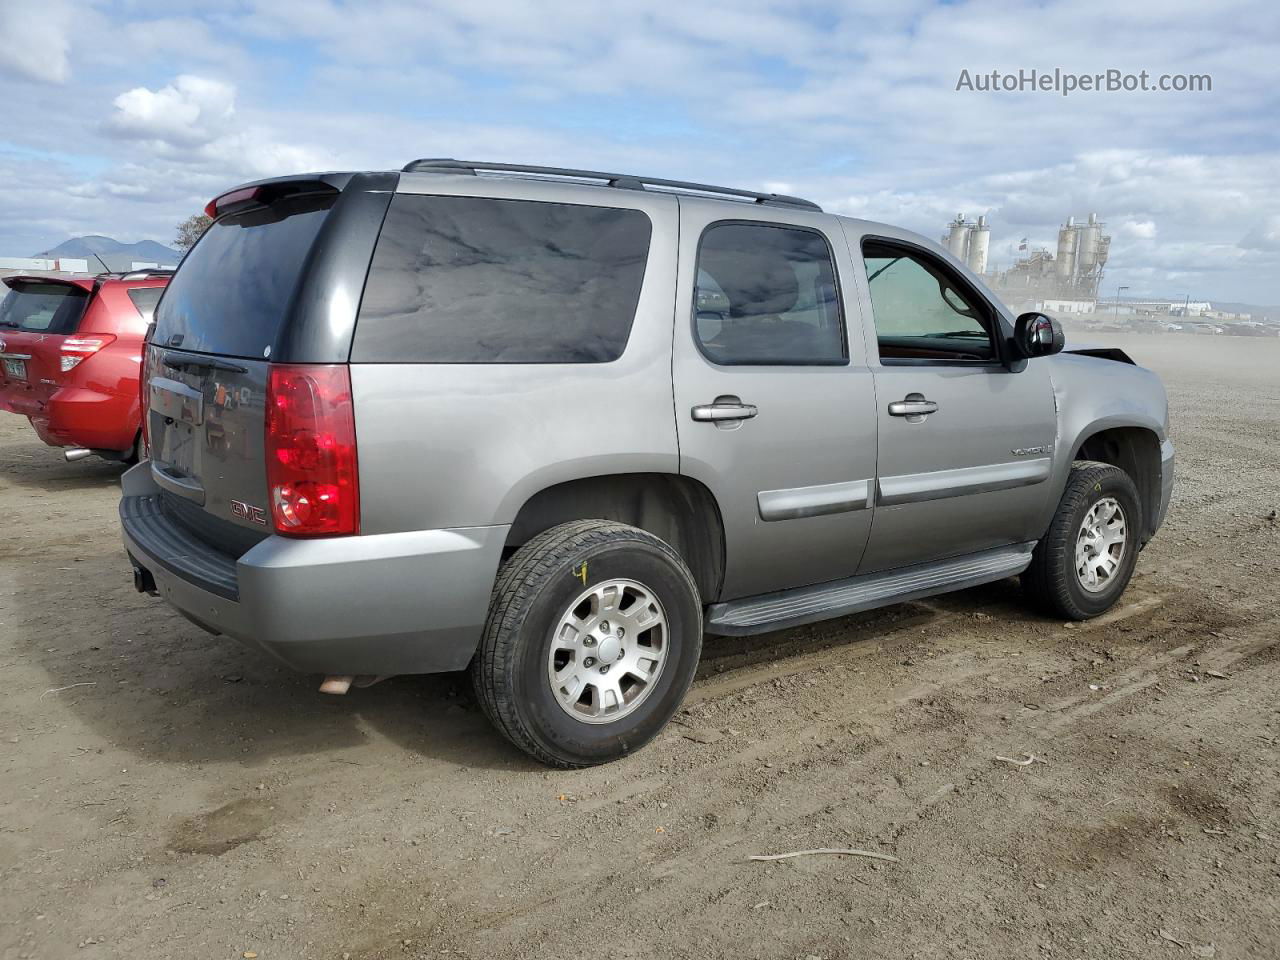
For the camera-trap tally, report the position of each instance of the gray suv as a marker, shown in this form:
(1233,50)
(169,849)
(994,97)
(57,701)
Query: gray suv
(552,426)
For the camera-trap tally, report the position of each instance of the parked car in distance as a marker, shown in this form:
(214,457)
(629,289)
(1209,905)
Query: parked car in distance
(552,425)
(70,350)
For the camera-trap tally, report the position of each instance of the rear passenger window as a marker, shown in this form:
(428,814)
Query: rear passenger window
(767,294)
(475,280)
(145,299)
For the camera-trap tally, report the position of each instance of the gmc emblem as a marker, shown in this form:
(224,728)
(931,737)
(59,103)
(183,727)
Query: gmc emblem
(247,511)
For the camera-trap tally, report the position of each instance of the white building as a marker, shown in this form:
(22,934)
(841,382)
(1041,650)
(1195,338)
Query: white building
(1065,306)
(61,265)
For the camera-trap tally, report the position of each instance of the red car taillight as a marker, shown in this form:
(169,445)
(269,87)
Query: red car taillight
(77,349)
(312,475)
(144,400)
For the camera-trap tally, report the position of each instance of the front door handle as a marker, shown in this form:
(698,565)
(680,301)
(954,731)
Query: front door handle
(724,409)
(914,407)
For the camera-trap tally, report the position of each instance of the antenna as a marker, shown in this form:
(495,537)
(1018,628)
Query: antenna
(105,268)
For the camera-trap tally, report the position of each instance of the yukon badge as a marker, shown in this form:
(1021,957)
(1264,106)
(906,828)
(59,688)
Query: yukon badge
(247,511)
(1030,451)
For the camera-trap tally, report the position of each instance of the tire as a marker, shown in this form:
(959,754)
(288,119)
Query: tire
(1052,583)
(134,453)
(583,567)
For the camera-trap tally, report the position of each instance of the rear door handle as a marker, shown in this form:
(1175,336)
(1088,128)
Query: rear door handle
(914,407)
(724,410)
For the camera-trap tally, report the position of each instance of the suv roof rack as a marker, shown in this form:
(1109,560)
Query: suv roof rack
(143,274)
(622,181)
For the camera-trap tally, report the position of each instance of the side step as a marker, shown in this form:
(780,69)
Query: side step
(823,601)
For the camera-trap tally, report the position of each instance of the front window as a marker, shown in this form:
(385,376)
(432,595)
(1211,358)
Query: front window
(920,310)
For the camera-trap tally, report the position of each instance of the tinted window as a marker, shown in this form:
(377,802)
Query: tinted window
(145,299)
(767,295)
(920,310)
(231,294)
(43,307)
(469,280)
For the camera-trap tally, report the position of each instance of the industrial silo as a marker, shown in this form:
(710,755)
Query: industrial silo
(1067,240)
(979,244)
(1087,250)
(958,237)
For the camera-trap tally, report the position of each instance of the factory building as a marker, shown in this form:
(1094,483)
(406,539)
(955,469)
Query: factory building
(1071,273)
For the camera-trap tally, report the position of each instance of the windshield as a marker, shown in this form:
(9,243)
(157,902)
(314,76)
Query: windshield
(232,292)
(43,307)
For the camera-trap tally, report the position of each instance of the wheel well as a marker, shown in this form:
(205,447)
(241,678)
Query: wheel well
(681,511)
(1136,451)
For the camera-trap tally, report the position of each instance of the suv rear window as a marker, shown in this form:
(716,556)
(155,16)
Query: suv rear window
(43,307)
(232,293)
(474,280)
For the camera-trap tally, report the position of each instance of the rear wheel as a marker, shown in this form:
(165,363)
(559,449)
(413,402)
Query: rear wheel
(1085,560)
(592,640)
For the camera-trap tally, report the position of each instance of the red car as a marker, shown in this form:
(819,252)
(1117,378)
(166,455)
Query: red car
(70,354)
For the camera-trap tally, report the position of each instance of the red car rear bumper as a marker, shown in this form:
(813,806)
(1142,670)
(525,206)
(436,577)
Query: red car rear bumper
(78,417)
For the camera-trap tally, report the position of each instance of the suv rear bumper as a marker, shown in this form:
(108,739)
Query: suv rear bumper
(381,604)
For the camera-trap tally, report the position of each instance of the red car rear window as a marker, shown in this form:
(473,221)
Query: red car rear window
(43,307)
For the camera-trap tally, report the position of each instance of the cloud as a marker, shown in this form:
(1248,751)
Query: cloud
(188,132)
(852,104)
(34,40)
(1139,229)
(189,113)
(1264,235)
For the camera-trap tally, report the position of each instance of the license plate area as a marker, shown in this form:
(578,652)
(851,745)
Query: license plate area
(177,401)
(15,368)
(177,449)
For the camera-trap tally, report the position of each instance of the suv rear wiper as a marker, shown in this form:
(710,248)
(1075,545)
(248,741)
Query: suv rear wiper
(175,362)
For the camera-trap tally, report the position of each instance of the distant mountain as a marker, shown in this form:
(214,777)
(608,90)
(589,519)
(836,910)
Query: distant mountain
(118,256)
(1258,311)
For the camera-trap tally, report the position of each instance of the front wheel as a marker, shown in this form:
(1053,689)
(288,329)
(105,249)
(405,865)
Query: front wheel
(592,640)
(1087,556)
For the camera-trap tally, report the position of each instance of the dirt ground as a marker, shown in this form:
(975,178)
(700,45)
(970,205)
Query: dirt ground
(168,794)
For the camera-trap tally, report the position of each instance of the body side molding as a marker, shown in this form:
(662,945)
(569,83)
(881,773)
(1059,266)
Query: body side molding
(940,484)
(796,502)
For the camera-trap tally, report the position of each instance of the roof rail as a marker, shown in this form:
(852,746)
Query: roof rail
(622,181)
(143,274)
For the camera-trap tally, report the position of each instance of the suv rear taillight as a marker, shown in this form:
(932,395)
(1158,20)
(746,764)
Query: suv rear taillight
(77,349)
(312,475)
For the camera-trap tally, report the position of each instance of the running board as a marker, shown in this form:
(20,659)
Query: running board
(791,608)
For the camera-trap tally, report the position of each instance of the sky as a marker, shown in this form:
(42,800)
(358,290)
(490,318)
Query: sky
(122,118)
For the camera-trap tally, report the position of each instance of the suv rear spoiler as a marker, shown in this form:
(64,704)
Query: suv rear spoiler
(263,192)
(83,284)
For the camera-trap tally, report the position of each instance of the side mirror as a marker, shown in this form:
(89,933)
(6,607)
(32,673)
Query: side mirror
(1036,335)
